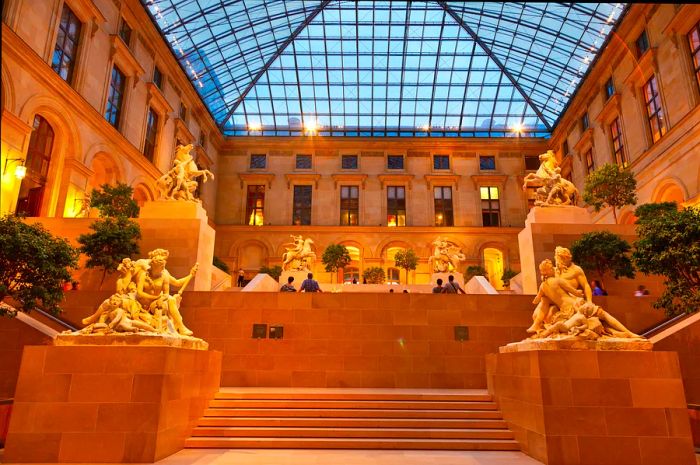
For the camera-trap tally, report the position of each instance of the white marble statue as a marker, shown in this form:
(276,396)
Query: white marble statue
(446,257)
(299,255)
(180,182)
(552,189)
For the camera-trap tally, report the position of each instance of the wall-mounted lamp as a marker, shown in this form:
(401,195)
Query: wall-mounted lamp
(20,169)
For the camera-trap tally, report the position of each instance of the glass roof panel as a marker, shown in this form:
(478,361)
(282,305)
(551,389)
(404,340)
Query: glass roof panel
(382,68)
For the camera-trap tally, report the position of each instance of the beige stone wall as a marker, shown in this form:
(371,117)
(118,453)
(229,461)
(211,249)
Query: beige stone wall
(87,150)
(668,169)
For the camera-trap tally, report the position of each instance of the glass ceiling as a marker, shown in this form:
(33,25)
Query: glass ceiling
(382,68)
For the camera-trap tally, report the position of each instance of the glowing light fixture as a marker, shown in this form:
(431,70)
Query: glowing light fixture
(518,128)
(310,126)
(254,127)
(20,169)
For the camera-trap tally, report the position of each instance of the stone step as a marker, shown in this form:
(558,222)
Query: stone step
(350,413)
(372,433)
(355,404)
(354,422)
(454,395)
(350,443)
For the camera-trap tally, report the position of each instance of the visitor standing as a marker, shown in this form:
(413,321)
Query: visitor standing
(241,277)
(438,289)
(597,288)
(310,284)
(641,291)
(452,287)
(289,287)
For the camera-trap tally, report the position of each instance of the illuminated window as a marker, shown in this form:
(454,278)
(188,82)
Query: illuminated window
(149,146)
(255,204)
(349,205)
(443,206)
(590,162)
(394,162)
(642,43)
(115,99)
(655,112)
(396,206)
(302,205)
(441,162)
(532,162)
(617,142)
(490,206)
(258,161)
(66,50)
(303,162)
(125,32)
(694,42)
(487,163)
(349,162)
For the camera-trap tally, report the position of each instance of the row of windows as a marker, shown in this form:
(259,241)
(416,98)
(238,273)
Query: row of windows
(258,161)
(395,205)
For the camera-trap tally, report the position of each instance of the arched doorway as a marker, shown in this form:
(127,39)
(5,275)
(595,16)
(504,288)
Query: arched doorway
(105,171)
(493,263)
(141,195)
(670,192)
(352,271)
(33,186)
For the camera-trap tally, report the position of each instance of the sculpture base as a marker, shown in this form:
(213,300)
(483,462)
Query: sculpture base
(459,278)
(576,344)
(131,339)
(170,209)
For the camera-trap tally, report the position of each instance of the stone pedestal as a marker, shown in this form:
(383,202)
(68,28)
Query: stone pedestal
(594,407)
(182,228)
(459,278)
(534,247)
(98,404)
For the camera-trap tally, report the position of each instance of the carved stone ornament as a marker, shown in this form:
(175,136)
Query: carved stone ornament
(299,255)
(446,256)
(180,182)
(552,189)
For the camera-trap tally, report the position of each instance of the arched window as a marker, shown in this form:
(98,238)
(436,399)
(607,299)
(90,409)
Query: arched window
(493,263)
(31,191)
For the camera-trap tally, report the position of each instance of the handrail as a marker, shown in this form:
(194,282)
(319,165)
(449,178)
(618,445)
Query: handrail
(55,319)
(647,333)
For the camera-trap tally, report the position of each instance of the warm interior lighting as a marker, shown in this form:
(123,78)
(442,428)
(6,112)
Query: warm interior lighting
(254,127)
(20,171)
(310,126)
(518,128)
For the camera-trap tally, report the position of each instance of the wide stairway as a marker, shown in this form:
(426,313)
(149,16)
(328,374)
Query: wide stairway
(306,418)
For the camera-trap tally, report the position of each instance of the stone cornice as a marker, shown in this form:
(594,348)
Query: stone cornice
(306,178)
(123,57)
(182,132)
(158,101)
(489,180)
(349,177)
(87,12)
(252,178)
(442,180)
(610,110)
(585,141)
(686,17)
(646,67)
(406,179)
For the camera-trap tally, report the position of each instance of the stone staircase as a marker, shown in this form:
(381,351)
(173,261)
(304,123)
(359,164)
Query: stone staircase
(305,418)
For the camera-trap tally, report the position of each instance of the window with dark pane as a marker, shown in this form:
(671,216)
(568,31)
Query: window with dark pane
(609,89)
(394,162)
(202,139)
(125,32)
(158,77)
(115,98)
(183,112)
(532,162)
(442,197)
(32,187)
(149,146)
(617,142)
(441,162)
(584,122)
(66,50)
(255,205)
(303,162)
(349,162)
(694,43)
(349,205)
(490,206)
(258,161)
(487,163)
(655,112)
(396,206)
(302,205)
(590,162)
(565,148)
(642,43)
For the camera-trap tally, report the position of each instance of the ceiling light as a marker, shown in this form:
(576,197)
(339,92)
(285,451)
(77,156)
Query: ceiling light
(310,126)
(518,128)
(254,127)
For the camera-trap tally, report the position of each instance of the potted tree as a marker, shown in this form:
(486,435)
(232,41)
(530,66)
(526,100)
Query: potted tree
(604,253)
(611,186)
(374,275)
(335,257)
(406,259)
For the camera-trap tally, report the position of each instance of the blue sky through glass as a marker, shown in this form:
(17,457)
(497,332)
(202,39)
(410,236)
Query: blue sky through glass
(384,68)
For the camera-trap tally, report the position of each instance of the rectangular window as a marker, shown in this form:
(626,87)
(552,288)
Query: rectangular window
(584,122)
(609,89)
(655,112)
(487,163)
(303,162)
(183,112)
(490,206)
(532,162)
(302,205)
(202,139)
(396,206)
(349,162)
(158,78)
(617,142)
(149,146)
(66,50)
(642,43)
(255,205)
(258,161)
(349,205)
(125,32)
(115,98)
(565,148)
(590,162)
(443,206)
(694,42)
(394,162)
(441,162)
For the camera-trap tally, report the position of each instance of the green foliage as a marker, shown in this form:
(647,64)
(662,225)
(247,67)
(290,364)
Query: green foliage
(33,266)
(374,275)
(612,186)
(220,264)
(114,201)
(113,240)
(507,275)
(406,259)
(669,245)
(475,270)
(335,256)
(274,272)
(603,252)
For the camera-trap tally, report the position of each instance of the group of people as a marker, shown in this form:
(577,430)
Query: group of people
(452,287)
(308,285)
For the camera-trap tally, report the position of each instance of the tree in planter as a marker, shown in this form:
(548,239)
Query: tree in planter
(475,270)
(406,259)
(612,186)
(374,275)
(669,245)
(335,257)
(507,275)
(274,272)
(603,252)
(34,265)
(115,236)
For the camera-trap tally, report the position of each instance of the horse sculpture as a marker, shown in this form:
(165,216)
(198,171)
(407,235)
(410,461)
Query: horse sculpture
(299,257)
(553,190)
(446,256)
(180,182)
